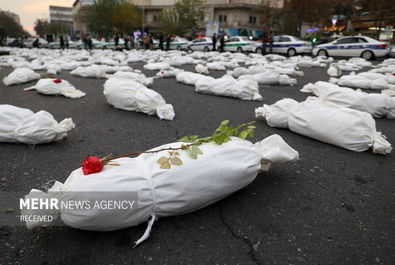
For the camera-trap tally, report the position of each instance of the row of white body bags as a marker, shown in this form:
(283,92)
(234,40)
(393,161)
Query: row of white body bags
(344,127)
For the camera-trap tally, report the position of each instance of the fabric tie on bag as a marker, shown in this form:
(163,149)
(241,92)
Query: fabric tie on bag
(380,144)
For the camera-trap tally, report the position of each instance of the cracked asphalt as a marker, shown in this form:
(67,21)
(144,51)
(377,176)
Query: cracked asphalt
(333,206)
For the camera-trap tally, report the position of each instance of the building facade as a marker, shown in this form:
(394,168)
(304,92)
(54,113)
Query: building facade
(63,16)
(235,17)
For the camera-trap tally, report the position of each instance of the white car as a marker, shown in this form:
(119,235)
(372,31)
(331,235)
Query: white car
(353,46)
(392,52)
(96,44)
(56,44)
(41,43)
(179,43)
(239,44)
(201,44)
(286,44)
(111,44)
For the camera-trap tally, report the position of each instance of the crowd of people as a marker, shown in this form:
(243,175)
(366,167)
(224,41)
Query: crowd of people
(146,41)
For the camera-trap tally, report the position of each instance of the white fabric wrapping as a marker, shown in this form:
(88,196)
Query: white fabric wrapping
(168,73)
(344,127)
(157,66)
(229,87)
(218,172)
(379,105)
(47,86)
(356,81)
(201,69)
(270,78)
(334,70)
(130,95)
(138,77)
(218,66)
(93,71)
(188,78)
(24,126)
(20,76)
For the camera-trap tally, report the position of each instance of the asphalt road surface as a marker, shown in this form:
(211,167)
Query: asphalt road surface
(333,206)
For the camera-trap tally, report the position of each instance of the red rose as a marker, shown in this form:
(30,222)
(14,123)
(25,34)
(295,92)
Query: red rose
(57,80)
(92,164)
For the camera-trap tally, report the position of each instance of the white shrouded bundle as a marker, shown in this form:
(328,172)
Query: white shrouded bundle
(374,76)
(252,70)
(130,95)
(270,78)
(157,66)
(344,127)
(218,66)
(201,69)
(168,73)
(229,87)
(220,171)
(379,105)
(95,71)
(188,78)
(50,86)
(363,82)
(19,125)
(334,70)
(138,77)
(69,66)
(20,76)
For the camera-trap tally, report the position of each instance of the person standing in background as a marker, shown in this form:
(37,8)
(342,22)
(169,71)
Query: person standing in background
(222,43)
(116,40)
(89,41)
(264,43)
(271,37)
(126,39)
(168,39)
(151,41)
(66,42)
(161,41)
(214,41)
(61,40)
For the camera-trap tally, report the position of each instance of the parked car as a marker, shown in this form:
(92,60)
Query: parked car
(287,44)
(41,43)
(353,46)
(240,44)
(96,44)
(201,44)
(392,51)
(111,44)
(179,43)
(56,44)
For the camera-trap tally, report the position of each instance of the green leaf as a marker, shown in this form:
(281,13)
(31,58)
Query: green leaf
(193,137)
(197,150)
(176,161)
(191,153)
(225,122)
(243,134)
(184,139)
(218,138)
